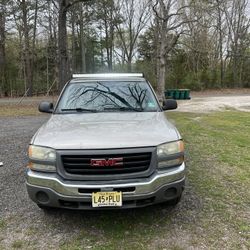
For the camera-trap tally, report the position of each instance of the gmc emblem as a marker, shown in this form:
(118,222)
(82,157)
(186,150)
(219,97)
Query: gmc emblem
(106,162)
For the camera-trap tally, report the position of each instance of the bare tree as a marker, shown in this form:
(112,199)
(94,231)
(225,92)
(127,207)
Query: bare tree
(82,41)
(33,49)
(63,64)
(27,49)
(202,41)
(105,15)
(49,23)
(134,15)
(238,37)
(220,21)
(170,18)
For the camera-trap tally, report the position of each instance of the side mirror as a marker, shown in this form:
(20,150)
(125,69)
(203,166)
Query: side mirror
(46,107)
(169,104)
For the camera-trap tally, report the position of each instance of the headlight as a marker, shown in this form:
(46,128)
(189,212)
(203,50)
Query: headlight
(170,148)
(42,153)
(170,154)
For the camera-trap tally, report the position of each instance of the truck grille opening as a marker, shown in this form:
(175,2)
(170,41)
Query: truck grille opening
(131,163)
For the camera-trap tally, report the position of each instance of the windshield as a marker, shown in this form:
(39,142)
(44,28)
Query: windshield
(108,96)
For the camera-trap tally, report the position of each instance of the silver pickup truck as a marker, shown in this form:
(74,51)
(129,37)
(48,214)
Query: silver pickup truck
(107,144)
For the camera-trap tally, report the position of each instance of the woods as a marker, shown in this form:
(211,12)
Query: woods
(177,44)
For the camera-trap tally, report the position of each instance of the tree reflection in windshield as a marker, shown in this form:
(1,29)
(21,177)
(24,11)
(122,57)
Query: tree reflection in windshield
(112,95)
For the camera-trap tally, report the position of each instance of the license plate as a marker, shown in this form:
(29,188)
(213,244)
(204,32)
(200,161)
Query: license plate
(107,199)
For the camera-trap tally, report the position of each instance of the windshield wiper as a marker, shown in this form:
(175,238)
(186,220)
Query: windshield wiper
(80,110)
(125,109)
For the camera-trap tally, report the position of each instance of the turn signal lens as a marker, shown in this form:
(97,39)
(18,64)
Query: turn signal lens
(41,167)
(171,163)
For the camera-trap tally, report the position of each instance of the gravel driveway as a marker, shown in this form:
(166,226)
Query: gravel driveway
(24,225)
(215,103)
(15,134)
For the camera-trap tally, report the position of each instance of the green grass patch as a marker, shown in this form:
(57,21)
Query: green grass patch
(218,164)
(218,149)
(217,154)
(18,244)
(2,224)
(111,229)
(18,110)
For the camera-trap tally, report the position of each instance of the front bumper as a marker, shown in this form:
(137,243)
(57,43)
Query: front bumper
(159,187)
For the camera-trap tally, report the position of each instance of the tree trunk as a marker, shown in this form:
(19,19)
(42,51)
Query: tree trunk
(28,64)
(63,63)
(129,64)
(109,43)
(111,46)
(3,88)
(83,49)
(34,32)
(107,38)
(162,72)
(220,45)
(235,73)
(73,41)
(52,49)
(156,60)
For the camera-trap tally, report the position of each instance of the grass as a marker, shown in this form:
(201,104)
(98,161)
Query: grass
(17,244)
(18,110)
(22,107)
(2,223)
(109,229)
(217,213)
(218,148)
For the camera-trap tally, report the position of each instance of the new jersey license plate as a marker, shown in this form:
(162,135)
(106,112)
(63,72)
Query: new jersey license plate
(107,199)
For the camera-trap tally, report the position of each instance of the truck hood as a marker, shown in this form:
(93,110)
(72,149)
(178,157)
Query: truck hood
(105,130)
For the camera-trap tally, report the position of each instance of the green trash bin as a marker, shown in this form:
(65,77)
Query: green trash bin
(187,94)
(182,94)
(176,94)
(173,93)
(169,94)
